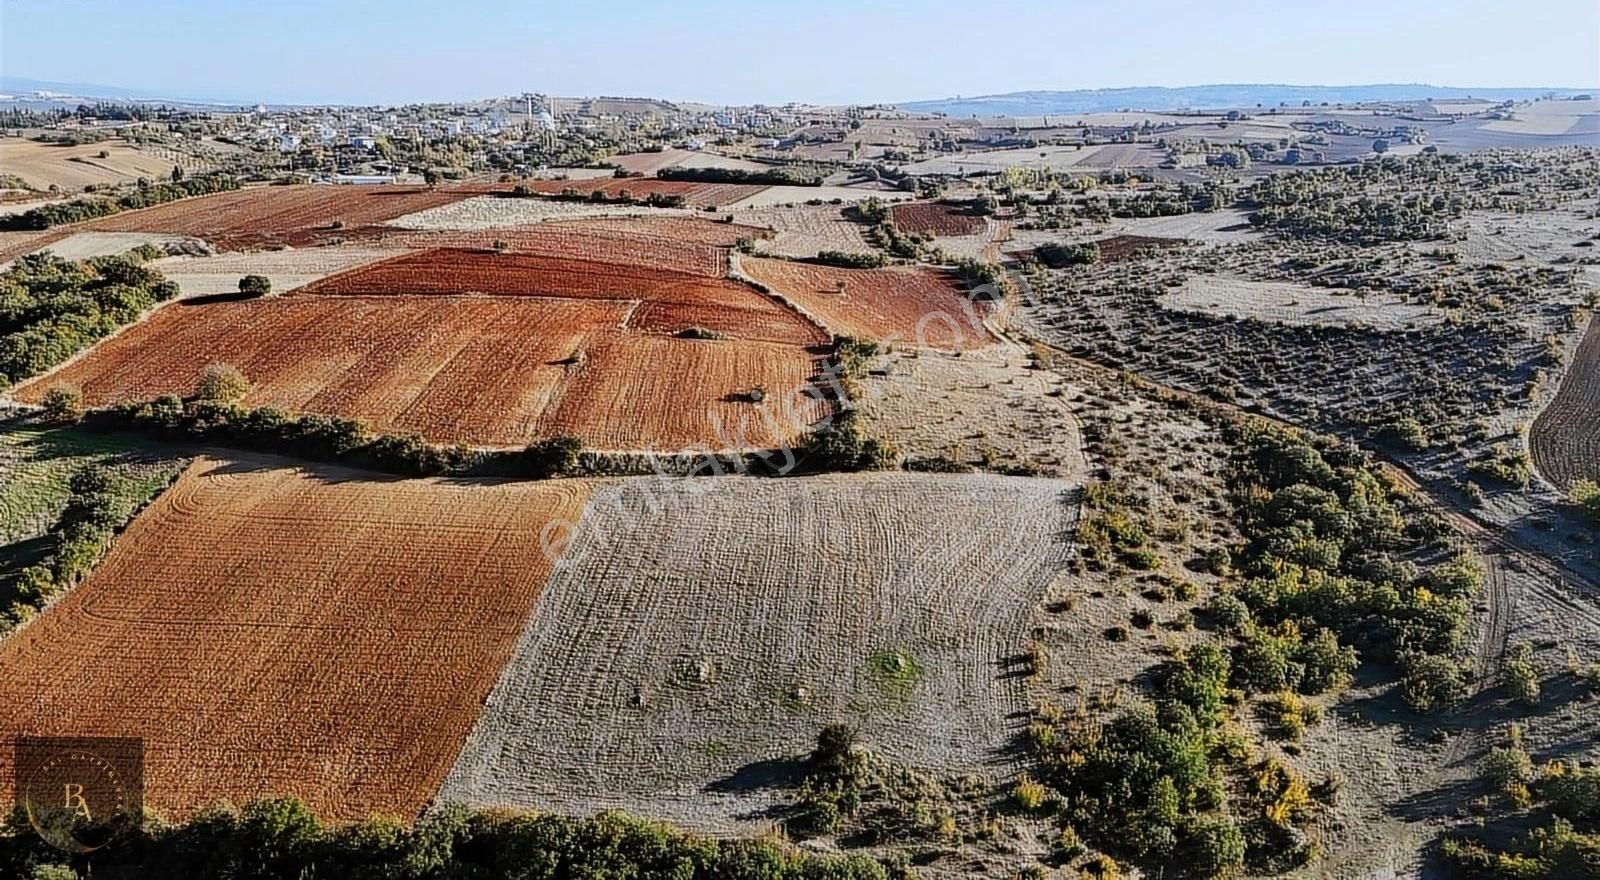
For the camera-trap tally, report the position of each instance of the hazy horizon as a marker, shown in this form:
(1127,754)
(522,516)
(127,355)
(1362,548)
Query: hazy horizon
(716,51)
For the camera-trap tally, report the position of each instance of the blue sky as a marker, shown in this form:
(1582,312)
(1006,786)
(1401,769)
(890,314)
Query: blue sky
(822,50)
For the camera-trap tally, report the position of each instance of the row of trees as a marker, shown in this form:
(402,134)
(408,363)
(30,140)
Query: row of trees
(144,195)
(281,838)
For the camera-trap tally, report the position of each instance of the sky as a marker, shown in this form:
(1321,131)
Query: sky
(758,51)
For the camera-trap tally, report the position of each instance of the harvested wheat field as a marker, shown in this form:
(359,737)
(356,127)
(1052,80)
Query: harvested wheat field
(935,218)
(287,269)
(487,371)
(682,229)
(909,305)
(266,216)
(697,633)
(986,408)
(678,300)
(807,230)
(1565,438)
(292,631)
(76,166)
(500,212)
(85,245)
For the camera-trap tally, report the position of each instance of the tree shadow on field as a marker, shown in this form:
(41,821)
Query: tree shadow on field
(773,773)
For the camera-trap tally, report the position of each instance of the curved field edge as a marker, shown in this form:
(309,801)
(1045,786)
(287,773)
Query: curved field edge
(1565,437)
(291,631)
(698,633)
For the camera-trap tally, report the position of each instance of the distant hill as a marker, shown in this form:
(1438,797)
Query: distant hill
(1039,103)
(69,93)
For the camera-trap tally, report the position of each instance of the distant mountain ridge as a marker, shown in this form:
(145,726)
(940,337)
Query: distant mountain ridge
(1154,98)
(22,87)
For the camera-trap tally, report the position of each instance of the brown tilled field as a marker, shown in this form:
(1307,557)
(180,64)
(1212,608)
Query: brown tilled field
(292,631)
(491,371)
(1565,438)
(723,305)
(568,241)
(935,218)
(910,305)
(279,215)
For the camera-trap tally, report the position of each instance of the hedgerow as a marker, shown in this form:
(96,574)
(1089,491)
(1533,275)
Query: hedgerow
(276,838)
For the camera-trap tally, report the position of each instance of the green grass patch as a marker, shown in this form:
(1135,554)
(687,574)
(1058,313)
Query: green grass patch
(894,673)
(36,463)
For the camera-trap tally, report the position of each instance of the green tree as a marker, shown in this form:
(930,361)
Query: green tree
(255,285)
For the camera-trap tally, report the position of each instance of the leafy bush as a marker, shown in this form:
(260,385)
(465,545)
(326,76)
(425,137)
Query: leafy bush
(222,383)
(63,402)
(1060,256)
(1586,495)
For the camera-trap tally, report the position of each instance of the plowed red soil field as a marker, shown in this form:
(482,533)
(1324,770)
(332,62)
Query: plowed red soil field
(270,630)
(695,195)
(935,218)
(490,371)
(297,216)
(909,305)
(572,242)
(745,312)
(1565,438)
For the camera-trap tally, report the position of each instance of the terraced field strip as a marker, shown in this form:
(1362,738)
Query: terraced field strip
(270,630)
(719,304)
(262,216)
(698,633)
(906,305)
(486,371)
(1565,437)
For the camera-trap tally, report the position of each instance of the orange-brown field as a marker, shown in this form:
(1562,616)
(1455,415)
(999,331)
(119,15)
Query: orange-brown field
(490,371)
(292,631)
(674,301)
(571,241)
(911,305)
(264,216)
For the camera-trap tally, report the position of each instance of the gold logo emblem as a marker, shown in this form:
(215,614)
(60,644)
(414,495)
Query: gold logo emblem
(79,794)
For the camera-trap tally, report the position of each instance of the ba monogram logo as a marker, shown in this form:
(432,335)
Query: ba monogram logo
(80,793)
